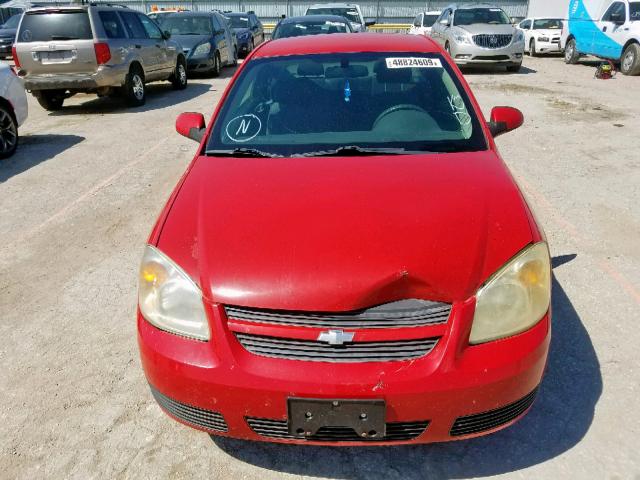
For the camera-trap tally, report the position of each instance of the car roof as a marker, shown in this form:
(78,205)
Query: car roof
(465,6)
(332,5)
(237,14)
(347,43)
(433,12)
(315,18)
(193,14)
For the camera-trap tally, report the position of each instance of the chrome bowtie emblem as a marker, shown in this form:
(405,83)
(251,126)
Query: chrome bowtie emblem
(335,337)
(493,40)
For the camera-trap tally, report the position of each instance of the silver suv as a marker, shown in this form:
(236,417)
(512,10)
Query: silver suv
(100,49)
(479,34)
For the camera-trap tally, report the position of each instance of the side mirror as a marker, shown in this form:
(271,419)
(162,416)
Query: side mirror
(191,125)
(505,119)
(166,34)
(369,23)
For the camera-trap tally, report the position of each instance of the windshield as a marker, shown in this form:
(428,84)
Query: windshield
(187,25)
(547,24)
(634,11)
(429,20)
(349,13)
(298,105)
(469,16)
(12,22)
(44,27)
(239,22)
(299,29)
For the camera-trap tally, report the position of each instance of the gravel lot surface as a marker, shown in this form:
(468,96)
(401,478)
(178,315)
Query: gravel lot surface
(80,197)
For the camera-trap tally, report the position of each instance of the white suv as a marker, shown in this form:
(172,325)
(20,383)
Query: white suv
(350,11)
(13,110)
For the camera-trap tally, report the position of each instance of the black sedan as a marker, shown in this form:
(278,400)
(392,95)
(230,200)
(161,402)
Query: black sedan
(207,41)
(311,25)
(248,29)
(8,35)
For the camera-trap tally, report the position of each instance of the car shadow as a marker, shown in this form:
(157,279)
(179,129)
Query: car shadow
(159,96)
(482,70)
(33,150)
(559,419)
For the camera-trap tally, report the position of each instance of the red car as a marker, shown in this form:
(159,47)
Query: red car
(347,258)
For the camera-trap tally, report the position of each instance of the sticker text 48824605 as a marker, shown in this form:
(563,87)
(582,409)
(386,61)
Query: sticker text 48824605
(413,62)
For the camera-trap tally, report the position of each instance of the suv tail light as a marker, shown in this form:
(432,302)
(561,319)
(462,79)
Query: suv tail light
(14,54)
(103,54)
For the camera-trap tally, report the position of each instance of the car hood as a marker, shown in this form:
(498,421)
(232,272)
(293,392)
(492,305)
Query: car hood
(549,32)
(8,32)
(332,234)
(486,28)
(190,41)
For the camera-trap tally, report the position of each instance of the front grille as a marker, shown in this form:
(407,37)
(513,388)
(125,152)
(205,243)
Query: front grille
(492,41)
(403,313)
(492,57)
(481,422)
(314,351)
(195,416)
(396,432)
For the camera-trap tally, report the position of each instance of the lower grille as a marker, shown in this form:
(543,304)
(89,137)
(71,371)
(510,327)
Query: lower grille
(481,422)
(279,429)
(198,417)
(492,57)
(313,351)
(492,41)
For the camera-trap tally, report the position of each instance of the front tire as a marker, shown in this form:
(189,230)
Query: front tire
(50,100)
(532,48)
(179,77)
(215,72)
(630,62)
(8,133)
(571,55)
(135,91)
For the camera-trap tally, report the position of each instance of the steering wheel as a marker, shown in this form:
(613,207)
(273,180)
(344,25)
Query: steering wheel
(398,108)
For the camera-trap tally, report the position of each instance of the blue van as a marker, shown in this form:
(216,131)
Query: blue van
(608,29)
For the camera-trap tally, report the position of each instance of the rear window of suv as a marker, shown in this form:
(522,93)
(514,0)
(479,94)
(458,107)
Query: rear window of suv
(59,25)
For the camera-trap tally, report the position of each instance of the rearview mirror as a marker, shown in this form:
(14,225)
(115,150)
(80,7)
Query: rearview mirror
(617,17)
(191,125)
(369,23)
(505,119)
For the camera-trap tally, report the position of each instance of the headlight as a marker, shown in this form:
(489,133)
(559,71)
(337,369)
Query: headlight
(543,39)
(169,299)
(519,36)
(515,298)
(202,49)
(462,38)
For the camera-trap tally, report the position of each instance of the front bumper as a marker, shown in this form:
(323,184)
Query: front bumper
(220,387)
(465,54)
(548,47)
(200,64)
(104,76)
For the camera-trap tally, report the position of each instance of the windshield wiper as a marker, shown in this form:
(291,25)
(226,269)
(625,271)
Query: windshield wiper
(241,152)
(355,151)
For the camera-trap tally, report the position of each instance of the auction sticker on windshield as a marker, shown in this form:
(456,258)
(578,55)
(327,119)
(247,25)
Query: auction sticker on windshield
(413,62)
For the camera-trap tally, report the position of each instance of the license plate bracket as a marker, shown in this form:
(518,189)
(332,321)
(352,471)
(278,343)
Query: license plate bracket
(365,417)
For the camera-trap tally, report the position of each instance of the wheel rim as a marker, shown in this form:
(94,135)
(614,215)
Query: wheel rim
(138,87)
(568,54)
(8,132)
(628,61)
(182,74)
